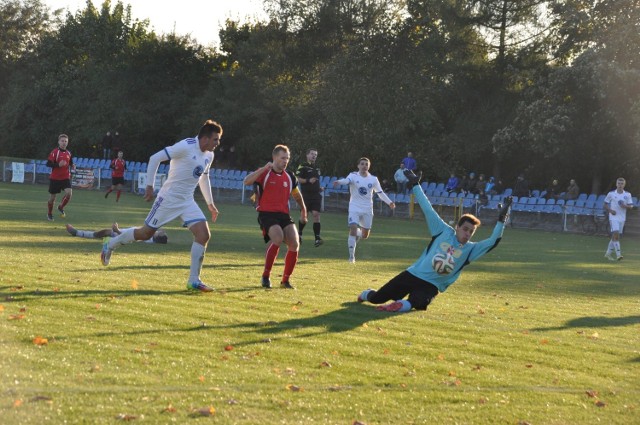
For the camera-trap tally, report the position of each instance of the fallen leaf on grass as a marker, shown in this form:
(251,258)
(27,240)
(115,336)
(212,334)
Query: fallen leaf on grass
(38,340)
(594,336)
(1,308)
(40,398)
(294,388)
(134,284)
(592,393)
(228,348)
(600,403)
(201,378)
(126,417)
(358,423)
(325,364)
(169,409)
(16,316)
(23,309)
(205,411)
(529,366)
(17,403)
(544,341)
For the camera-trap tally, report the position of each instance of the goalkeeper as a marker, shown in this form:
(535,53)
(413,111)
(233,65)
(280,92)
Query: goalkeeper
(441,263)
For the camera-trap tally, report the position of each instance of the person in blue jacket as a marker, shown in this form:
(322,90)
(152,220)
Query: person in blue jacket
(441,263)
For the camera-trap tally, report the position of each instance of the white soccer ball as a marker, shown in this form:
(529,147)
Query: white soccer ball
(443,263)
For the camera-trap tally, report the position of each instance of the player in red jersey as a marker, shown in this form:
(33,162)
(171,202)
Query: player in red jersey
(119,166)
(61,162)
(274,186)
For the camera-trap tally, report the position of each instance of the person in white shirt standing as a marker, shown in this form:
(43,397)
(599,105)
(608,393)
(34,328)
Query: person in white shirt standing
(362,186)
(190,159)
(617,203)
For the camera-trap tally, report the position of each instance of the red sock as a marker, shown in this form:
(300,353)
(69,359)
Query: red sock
(109,190)
(289,264)
(50,207)
(64,202)
(118,195)
(270,258)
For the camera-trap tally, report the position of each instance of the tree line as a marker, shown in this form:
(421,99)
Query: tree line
(545,88)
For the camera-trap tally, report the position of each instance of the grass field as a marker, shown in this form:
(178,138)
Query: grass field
(543,330)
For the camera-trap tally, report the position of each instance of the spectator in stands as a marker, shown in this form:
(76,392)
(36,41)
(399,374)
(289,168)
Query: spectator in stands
(386,186)
(400,179)
(521,188)
(480,185)
(498,188)
(452,183)
(573,191)
(409,162)
(489,186)
(553,191)
(471,184)
(107,144)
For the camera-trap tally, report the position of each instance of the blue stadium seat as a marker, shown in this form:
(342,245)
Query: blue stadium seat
(507,192)
(582,197)
(440,187)
(535,193)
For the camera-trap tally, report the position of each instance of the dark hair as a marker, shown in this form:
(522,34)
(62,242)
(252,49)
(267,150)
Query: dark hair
(208,128)
(311,149)
(280,148)
(469,218)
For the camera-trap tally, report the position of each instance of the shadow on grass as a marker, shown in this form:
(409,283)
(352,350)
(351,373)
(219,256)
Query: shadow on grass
(351,316)
(594,322)
(16,295)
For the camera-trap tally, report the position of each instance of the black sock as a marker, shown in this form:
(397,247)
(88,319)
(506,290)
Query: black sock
(300,227)
(316,230)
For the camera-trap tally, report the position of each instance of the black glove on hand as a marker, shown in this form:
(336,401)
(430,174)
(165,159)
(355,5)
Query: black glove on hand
(413,179)
(503,213)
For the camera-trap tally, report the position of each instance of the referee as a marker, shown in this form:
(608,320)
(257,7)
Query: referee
(309,178)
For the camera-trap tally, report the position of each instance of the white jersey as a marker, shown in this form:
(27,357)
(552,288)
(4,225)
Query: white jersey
(614,199)
(362,189)
(188,165)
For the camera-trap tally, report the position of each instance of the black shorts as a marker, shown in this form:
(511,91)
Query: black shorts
(420,292)
(57,186)
(117,180)
(268,219)
(313,203)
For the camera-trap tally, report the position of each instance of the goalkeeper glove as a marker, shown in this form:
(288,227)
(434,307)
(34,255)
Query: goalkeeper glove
(503,213)
(413,179)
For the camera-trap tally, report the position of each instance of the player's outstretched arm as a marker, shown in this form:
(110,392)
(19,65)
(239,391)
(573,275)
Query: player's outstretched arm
(252,177)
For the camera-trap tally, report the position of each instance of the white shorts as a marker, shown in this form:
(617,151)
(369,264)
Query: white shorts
(362,219)
(165,209)
(616,226)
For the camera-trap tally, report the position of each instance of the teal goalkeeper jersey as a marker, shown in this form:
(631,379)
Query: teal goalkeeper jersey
(444,247)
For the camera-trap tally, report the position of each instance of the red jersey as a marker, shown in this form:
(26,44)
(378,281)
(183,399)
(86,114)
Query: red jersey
(57,172)
(274,190)
(118,166)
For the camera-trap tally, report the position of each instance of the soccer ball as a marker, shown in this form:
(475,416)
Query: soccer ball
(442,263)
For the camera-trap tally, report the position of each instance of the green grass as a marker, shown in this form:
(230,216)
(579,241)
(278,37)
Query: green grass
(522,337)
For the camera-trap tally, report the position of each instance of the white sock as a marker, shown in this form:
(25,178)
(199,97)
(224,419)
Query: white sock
(365,294)
(351,243)
(358,234)
(85,234)
(610,248)
(197,258)
(616,246)
(406,306)
(123,238)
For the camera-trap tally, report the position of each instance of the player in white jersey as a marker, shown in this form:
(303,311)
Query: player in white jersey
(617,203)
(190,159)
(362,186)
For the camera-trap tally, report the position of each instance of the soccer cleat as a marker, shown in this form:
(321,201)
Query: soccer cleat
(199,286)
(266,282)
(62,214)
(106,195)
(286,285)
(609,256)
(352,260)
(105,255)
(318,242)
(620,257)
(50,217)
(71,230)
(394,306)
